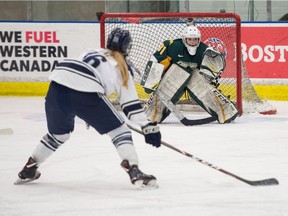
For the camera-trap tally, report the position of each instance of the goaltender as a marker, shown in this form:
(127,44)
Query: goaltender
(187,64)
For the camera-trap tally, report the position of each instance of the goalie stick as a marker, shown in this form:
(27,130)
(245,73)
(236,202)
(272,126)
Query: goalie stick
(172,107)
(264,182)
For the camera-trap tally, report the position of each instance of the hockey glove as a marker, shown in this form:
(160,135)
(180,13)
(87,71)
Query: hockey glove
(152,134)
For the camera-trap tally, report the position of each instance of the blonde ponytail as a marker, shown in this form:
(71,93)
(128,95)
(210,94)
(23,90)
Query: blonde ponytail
(122,66)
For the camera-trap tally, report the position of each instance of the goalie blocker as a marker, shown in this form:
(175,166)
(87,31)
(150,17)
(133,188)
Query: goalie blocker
(177,80)
(152,76)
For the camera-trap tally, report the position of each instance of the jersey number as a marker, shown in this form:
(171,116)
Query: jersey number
(94,60)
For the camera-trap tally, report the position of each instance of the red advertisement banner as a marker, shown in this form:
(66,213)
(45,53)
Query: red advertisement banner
(265,50)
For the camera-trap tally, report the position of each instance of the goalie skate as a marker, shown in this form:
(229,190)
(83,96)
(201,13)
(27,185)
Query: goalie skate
(138,178)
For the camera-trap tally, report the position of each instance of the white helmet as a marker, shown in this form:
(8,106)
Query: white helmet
(191,32)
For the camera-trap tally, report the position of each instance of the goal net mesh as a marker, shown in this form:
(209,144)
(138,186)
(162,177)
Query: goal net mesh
(149,30)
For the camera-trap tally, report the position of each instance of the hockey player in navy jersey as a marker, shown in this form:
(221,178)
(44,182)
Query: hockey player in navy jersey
(79,87)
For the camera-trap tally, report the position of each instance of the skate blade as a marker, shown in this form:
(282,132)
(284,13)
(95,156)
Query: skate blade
(20,181)
(150,185)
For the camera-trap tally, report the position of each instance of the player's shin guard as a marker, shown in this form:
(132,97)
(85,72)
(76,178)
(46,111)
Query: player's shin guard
(122,139)
(211,99)
(48,145)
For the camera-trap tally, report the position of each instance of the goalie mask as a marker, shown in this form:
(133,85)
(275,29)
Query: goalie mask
(191,32)
(119,40)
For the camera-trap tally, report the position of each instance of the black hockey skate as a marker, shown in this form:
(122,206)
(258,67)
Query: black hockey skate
(28,173)
(139,178)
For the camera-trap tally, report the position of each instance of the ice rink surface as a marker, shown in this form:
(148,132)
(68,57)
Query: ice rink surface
(84,176)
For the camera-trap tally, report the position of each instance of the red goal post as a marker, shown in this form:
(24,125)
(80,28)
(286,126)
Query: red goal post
(220,30)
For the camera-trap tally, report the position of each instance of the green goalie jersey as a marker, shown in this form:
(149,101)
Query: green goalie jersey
(174,51)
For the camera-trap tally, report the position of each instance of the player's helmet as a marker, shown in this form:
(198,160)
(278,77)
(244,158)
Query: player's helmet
(191,32)
(119,40)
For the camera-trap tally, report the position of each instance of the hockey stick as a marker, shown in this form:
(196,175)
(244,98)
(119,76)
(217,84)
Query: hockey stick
(264,182)
(172,107)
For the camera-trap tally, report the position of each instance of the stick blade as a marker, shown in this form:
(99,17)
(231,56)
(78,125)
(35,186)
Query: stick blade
(265,182)
(192,122)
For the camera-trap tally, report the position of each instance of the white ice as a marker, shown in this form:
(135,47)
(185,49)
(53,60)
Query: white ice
(84,176)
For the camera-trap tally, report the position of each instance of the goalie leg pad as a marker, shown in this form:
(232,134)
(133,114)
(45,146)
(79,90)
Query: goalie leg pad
(172,85)
(155,109)
(211,99)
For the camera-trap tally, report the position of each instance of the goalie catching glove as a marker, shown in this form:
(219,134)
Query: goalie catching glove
(152,134)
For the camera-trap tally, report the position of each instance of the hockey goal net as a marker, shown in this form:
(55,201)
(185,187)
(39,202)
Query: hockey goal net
(220,30)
